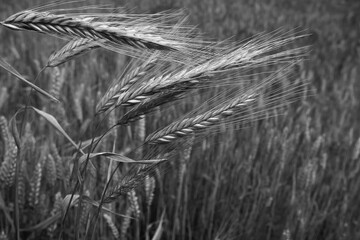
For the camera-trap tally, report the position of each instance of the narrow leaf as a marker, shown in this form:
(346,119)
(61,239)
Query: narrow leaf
(96,204)
(43,224)
(118,158)
(6,211)
(159,229)
(56,125)
(11,70)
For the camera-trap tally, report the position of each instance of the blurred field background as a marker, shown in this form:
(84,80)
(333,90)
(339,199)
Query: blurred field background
(295,176)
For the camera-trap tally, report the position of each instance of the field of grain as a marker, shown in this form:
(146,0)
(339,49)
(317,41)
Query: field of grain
(284,167)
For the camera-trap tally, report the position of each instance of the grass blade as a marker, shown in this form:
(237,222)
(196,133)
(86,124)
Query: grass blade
(56,125)
(118,158)
(159,230)
(11,70)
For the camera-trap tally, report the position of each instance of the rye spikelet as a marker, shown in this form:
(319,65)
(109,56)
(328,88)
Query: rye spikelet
(189,125)
(57,80)
(131,181)
(72,49)
(50,170)
(3,235)
(244,106)
(125,223)
(286,235)
(8,166)
(149,189)
(111,225)
(262,51)
(21,186)
(120,32)
(308,174)
(134,203)
(55,210)
(137,71)
(42,208)
(58,162)
(147,105)
(35,183)
(85,210)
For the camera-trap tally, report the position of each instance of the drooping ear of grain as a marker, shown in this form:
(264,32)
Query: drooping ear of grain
(262,51)
(136,72)
(118,33)
(144,106)
(71,26)
(72,49)
(253,99)
(132,180)
(190,125)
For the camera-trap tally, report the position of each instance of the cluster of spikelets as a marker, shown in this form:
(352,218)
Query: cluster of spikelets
(8,165)
(171,62)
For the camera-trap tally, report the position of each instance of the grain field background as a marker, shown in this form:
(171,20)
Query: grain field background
(293,174)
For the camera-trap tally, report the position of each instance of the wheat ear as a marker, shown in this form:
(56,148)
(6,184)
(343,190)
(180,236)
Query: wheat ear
(8,166)
(125,223)
(134,202)
(259,52)
(111,225)
(150,185)
(57,79)
(132,180)
(35,184)
(129,79)
(235,106)
(21,189)
(149,104)
(60,175)
(72,49)
(145,32)
(50,170)
(70,26)
(54,211)
(189,125)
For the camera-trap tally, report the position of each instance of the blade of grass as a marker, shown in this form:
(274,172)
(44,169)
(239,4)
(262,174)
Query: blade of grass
(118,158)
(51,119)
(11,70)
